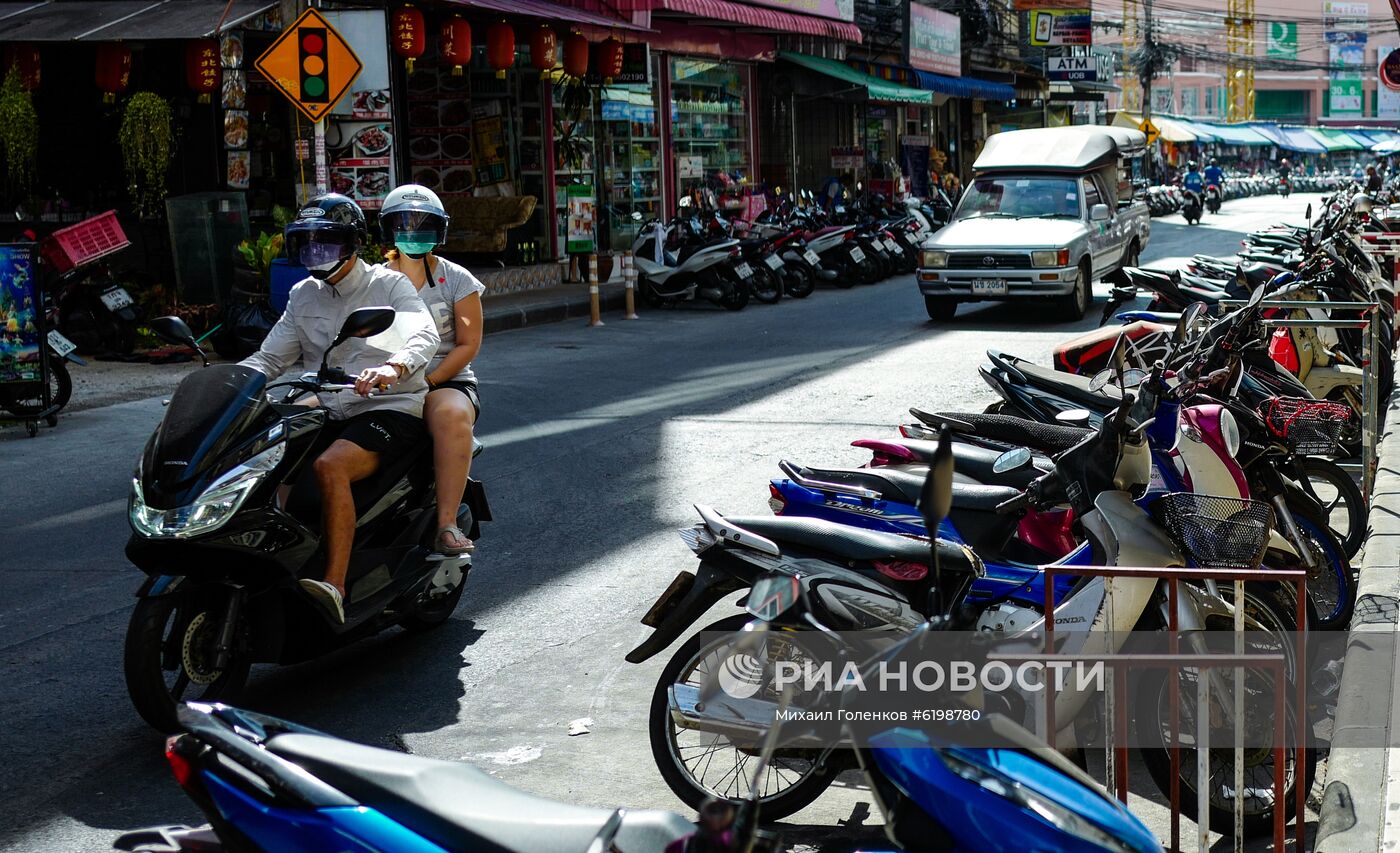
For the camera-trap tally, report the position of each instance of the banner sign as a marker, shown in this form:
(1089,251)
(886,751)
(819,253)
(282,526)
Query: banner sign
(1053,27)
(1339,15)
(1283,40)
(1072,68)
(934,40)
(19,333)
(841,10)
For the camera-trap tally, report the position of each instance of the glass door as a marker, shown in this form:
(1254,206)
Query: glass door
(631,164)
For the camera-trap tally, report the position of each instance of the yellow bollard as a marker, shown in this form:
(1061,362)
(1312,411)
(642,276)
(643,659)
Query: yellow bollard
(595,310)
(629,277)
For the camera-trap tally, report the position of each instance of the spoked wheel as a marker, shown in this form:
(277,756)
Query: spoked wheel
(1269,619)
(765,286)
(170,655)
(26,399)
(698,765)
(1343,506)
(1331,585)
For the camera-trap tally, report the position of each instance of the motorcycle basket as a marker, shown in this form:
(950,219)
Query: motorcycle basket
(1307,427)
(1215,532)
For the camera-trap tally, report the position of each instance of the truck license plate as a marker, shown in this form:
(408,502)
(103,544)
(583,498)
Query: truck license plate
(812,258)
(116,299)
(60,345)
(744,270)
(989,287)
(856,254)
(774,262)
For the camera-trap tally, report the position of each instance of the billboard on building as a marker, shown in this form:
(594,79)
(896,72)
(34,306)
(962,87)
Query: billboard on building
(1283,40)
(934,40)
(1054,27)
(1345,27)
(1387,99)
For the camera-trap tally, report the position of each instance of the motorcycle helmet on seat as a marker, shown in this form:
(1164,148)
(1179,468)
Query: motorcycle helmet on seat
(325,235)
(414,220)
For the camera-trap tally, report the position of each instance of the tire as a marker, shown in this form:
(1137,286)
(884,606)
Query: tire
(1150,715)
(764,286)
(848,273)
(802,282)
(25,399)
(1072,305)
(941,308)
(1133,256)
(1332,585)
(1341,498)
(871,271)
(682,783)
(147,644)
(426,616)
(736,297)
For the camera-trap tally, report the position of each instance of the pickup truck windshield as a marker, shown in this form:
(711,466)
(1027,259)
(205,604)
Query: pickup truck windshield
(1021,197)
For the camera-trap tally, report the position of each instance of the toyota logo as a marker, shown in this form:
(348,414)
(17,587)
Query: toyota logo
(989,261)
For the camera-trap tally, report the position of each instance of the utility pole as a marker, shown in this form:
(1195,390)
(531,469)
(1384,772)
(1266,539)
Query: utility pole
(1148,70)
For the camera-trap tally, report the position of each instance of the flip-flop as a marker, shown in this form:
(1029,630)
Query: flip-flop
(327,596)
(444,548)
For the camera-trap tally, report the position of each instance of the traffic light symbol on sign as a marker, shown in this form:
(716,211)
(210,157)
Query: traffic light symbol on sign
(313,65)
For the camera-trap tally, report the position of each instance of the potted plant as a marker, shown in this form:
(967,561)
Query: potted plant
(146,141)
(258,254)
(19,134)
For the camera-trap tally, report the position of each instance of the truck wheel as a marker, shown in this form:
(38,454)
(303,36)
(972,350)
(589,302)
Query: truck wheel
(1133,257)
(940,308)
(1072,305)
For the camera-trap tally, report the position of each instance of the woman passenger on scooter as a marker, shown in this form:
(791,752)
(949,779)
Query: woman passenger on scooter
(414,220)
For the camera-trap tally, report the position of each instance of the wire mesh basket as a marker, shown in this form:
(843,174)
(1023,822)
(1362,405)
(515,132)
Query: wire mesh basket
(1307,426)
(1215,532)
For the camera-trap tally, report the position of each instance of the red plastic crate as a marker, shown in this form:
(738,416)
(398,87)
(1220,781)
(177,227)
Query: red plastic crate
(85,242)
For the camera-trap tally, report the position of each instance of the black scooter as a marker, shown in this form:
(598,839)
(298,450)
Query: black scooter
(223,550)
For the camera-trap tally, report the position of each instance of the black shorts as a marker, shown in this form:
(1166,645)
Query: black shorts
(468,388)
(386,433)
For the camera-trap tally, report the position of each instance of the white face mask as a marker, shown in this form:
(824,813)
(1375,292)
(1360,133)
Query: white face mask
(322,272)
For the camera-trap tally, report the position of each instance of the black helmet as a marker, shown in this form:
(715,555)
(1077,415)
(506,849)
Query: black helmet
(326,233)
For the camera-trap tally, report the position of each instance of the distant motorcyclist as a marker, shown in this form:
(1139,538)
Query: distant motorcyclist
(1194,181)
(1285,171)
(1214,174)
(1374,183)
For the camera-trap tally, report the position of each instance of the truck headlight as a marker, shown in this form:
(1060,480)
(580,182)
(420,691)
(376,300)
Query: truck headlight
(1050,258)
(937,260)
(212,509)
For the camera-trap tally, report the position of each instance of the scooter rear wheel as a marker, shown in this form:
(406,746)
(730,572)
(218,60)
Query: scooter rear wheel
(168,656)
(765,286)
(800,281)
(25,399)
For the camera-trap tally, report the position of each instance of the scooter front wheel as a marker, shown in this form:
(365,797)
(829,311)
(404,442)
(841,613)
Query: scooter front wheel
(765,286)
(169,655)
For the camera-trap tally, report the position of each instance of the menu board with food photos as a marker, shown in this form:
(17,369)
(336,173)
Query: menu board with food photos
(440,129)
(361,156)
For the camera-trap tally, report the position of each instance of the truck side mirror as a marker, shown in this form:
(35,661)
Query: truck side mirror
(1099,213)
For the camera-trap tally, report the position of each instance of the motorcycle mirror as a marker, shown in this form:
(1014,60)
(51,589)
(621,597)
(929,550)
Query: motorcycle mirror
(1133,377)
(636,216)
(177,331)
(1016,457)
(1255,298)
(1101,380)
(1073,417)
(1308,214)
(936,499)
(364,323)
(772,595)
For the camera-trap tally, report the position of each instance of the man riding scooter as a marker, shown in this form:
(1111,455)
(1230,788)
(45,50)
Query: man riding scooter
(1194,184)
(1215,186)
(386,418)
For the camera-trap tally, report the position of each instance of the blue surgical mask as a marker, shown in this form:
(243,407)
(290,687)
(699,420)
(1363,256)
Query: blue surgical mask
(415,248)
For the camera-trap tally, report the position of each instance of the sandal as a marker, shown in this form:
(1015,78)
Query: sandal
(452,542)
(327,596)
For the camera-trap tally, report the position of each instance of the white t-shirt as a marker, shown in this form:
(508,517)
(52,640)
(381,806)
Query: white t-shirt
(448,283)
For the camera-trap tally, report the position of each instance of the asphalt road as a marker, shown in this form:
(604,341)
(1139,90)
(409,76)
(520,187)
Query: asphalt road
(600,440)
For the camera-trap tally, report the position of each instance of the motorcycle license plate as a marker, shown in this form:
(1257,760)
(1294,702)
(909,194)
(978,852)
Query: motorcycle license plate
(892,245)
(744,270)
(774,262)
(989,287)
(117,298)
(812,258)
(857,254)
(59,344)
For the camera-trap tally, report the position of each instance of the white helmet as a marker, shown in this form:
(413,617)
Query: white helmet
(414,216)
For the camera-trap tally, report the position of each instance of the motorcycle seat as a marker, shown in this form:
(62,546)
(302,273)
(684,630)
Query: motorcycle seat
(904,485)
(1068,385)
(855,543)
(460,807)
(1007,429)
(971,459)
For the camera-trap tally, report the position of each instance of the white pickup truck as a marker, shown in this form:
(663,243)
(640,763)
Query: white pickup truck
(1048,212)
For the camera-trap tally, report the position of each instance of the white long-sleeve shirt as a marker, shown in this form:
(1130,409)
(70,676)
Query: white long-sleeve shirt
(316,311)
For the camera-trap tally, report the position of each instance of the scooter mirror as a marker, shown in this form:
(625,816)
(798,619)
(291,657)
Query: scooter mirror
(937,497)
(636,216)
(772,595)
(1255,298)
(172,329)
(1073,417)
(365,323)
(1100,380)
(1016,457)
(1133,377)
(1308,214)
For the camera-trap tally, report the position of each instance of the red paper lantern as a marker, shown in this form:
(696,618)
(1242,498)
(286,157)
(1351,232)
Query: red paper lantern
(113,69)
(456,45)
(408,32)
(544,48)
(202,67)
(608,62)
(25,59)
(500,48)
(576,55)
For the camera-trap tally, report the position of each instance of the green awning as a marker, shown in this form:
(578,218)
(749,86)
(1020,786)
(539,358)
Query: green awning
(1335,140)
(875,88)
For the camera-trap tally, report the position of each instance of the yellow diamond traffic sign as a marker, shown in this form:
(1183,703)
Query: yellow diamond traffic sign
(1150,129)
(311,64)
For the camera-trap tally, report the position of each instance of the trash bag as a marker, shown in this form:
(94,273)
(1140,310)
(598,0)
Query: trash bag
(247,318)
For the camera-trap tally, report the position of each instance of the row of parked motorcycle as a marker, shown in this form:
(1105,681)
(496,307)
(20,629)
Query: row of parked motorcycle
(1164,200)
(1181,437)
(786,251)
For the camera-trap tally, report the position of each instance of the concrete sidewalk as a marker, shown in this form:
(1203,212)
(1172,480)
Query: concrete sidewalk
(1360,809)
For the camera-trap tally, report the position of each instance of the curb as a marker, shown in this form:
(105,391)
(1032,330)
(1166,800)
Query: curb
(1354,814)
(506,318)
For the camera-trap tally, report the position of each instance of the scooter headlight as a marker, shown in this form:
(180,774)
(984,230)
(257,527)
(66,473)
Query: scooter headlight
(212,509)
(1230,431)
(1046,809)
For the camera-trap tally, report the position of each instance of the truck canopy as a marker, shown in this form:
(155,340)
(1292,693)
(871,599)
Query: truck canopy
(1059,149)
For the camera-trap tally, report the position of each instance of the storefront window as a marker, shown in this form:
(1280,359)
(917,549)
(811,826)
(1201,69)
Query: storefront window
(574,154)
(631,148)
(709,121)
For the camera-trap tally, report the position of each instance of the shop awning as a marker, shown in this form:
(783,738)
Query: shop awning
(72,20)
(760,17)
(1236,134)
(1335,140)
(965,87)
(550,11)
(1300,140)
(1272,133)
(1390,146)
(1168,129)
(1369,138)
(875,88)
